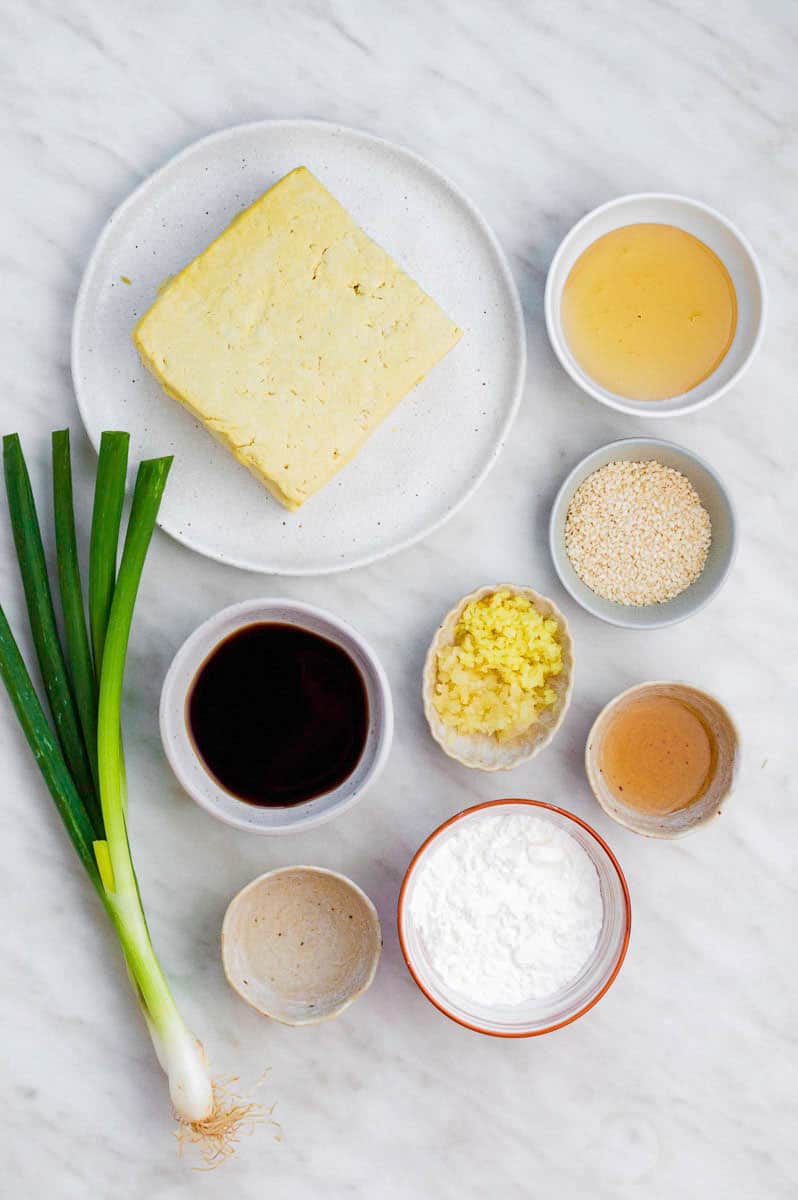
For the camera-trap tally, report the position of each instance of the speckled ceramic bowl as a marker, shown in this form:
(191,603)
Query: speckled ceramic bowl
(300,944)
(484,751)
(674,825)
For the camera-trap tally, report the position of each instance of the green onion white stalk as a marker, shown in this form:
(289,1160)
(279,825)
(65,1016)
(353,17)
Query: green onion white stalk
(83,762)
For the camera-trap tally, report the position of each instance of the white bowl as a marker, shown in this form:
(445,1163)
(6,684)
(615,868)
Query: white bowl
(189,767)
(551,1012)
(712,494)
(715,231)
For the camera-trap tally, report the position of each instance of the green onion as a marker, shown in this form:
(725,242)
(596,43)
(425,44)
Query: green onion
(84,684)
(179,1051)
(100,838)
(109,497)
(46,750)
(33,569)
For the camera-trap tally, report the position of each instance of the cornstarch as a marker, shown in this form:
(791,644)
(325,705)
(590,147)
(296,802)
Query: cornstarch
(509,908)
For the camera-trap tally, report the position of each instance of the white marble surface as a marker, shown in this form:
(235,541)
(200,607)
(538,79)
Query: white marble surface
(682,1081)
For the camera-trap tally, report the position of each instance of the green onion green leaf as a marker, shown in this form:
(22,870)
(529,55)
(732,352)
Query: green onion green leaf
(81,667)
(33,569)
(109,497)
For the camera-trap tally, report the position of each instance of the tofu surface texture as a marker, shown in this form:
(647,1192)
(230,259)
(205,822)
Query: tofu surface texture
(292,337)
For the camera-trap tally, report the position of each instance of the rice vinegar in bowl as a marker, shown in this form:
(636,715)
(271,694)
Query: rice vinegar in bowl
(658,755)
(662,758)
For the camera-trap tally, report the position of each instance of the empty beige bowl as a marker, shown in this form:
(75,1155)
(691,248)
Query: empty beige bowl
(484,751)
(300,944)
(672,825)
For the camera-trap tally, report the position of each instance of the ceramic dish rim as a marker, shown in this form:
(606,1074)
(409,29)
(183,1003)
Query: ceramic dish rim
(627,905)
(715,812)
(191,651)
(428,673)
(611,399)
(555,542)
(374,959)
(515,392)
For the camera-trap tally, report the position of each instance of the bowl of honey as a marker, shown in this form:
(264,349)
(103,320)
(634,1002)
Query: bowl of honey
(662,758)
(655,304)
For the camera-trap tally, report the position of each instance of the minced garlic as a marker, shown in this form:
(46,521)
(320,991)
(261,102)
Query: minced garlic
(492,678)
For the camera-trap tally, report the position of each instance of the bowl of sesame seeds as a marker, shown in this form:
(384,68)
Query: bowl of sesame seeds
(642,533)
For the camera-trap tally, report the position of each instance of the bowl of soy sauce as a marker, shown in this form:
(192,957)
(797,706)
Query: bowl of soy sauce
(276,716)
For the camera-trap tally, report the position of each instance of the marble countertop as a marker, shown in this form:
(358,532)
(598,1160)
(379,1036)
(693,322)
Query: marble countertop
(682,1081)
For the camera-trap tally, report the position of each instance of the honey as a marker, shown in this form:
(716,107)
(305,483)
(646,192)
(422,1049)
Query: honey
(658,755)
(649,311)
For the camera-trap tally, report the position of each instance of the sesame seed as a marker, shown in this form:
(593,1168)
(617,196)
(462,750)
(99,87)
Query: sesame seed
(637,533)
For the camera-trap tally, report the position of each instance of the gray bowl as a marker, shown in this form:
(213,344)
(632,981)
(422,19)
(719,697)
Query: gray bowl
(713,496)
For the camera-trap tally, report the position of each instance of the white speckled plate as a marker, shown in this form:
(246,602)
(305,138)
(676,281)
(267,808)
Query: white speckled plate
(425,460)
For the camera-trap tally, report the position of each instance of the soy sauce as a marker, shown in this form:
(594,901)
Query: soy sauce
(278,714)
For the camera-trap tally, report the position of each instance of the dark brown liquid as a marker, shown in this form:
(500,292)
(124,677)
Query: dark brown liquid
(279,714)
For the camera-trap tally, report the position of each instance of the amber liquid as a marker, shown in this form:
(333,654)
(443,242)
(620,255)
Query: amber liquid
(278,714)
(649,311)
(657,755)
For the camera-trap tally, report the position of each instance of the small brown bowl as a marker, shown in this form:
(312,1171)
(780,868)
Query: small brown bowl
(677,824)
(300,944)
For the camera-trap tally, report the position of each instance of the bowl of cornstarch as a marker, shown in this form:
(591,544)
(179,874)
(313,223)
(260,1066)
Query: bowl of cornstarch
(514,918)
(642,533)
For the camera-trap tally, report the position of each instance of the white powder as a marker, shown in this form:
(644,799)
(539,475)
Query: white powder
(509,907)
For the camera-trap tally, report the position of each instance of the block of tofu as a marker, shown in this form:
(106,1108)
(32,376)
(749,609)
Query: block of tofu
(292,337)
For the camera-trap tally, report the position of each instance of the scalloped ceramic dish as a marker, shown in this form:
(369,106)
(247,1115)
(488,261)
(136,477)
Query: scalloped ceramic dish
(484,751)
